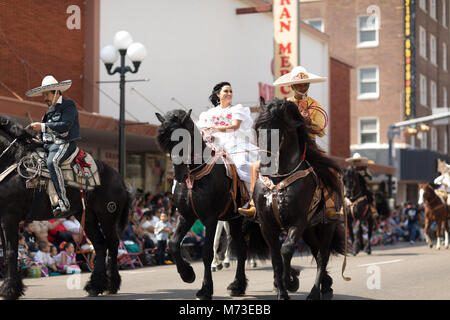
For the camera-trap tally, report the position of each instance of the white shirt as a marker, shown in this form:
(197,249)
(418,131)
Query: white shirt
(57,101)
(72,226)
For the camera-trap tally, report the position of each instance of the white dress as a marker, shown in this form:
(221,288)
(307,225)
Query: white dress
(237,143)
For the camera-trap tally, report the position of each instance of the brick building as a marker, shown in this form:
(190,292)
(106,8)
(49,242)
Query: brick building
(372,35)
(62,38)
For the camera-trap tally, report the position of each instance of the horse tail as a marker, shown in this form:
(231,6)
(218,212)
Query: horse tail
(339,239)
(257,247)
(382,205)
(125,212)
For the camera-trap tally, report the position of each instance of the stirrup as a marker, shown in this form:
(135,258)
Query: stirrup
(247,210)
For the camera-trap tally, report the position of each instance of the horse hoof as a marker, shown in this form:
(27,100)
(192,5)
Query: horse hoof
(314,294)
(237,293)
(293,285)
(220,267)
(226,264)
(328,295)
(284,296)
(202,295)
(188,276)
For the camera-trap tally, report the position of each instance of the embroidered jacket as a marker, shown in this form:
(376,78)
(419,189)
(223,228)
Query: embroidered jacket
(60,123)
(309,108)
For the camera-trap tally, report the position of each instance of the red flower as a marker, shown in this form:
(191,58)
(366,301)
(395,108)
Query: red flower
(216,123)
(222,123)
(229,116)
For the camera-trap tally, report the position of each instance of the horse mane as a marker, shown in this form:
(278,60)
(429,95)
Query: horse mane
(173,120)
(325,167)
(10,130)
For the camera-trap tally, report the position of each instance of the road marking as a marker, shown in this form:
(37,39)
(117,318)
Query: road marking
(137,272)
(382,262)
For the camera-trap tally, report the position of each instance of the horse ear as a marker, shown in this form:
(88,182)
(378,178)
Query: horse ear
(160,117)
(188,115)
(262,102)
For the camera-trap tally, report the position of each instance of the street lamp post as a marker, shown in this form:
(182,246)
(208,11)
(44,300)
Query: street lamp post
(123,45)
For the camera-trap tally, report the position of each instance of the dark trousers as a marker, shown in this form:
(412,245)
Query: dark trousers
(58,153)
(162,245)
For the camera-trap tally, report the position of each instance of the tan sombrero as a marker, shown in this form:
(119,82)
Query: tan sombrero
(49,83)
(357,160)
(298,75)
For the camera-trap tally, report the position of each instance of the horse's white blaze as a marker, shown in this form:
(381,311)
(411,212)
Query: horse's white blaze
(421,192)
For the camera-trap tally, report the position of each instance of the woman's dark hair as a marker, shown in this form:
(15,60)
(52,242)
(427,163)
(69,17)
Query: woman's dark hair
(213,97)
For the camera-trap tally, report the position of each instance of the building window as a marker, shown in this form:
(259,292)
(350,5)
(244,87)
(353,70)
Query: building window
(423,90)
(433,51)
(444,56)
(316,23)
(423,5)
(444,13)
(368,129)
(423,42)
(444,97)
(367,31)
(368,80)
(434,139)
(433,94)
(433,9)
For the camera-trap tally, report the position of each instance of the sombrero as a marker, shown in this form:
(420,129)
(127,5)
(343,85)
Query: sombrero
(298,75)
(49,83)
(357,160)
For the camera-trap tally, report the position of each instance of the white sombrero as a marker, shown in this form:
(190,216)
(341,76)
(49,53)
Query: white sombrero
(358,160)
(298,75)
(49,83)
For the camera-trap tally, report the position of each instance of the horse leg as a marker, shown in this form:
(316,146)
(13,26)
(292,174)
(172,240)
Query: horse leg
(446,230)
(426,230)
(370,223)
(98,281)
(290,275)
(183,267)
(438,234)
(216,264)
(112,243)
(322,285)
(358,239)
(206,292)
(12,287)
(273,241)
(226,261)
(239,285)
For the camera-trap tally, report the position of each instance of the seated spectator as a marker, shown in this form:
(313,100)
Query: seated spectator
(24,258)
(147,230)
(129,237)
(43,257)
(41,228)
(197,236)
(66,259)
(58,234)
(30,237)
(53,254)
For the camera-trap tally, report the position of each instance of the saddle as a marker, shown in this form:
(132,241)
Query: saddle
(231,171)
(79,171)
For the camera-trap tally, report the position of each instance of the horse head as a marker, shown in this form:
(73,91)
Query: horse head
(179,136)
(426,191)
(352,185)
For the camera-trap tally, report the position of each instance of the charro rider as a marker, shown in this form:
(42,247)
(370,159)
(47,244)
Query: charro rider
(443,181)
(360,164)
(316,119)
(60,130)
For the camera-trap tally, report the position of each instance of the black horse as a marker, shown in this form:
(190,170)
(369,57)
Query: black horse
(286,206)
(107,208)
(359,209)
(208,202)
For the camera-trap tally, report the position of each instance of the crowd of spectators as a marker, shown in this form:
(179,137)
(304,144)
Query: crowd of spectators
(405,224)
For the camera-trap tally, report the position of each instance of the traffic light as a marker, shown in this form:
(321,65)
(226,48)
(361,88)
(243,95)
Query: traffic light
(423,127)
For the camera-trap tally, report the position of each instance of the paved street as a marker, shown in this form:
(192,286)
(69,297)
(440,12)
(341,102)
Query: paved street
(393,272)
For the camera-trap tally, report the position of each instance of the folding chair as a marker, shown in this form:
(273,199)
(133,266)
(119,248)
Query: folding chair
(129,258)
